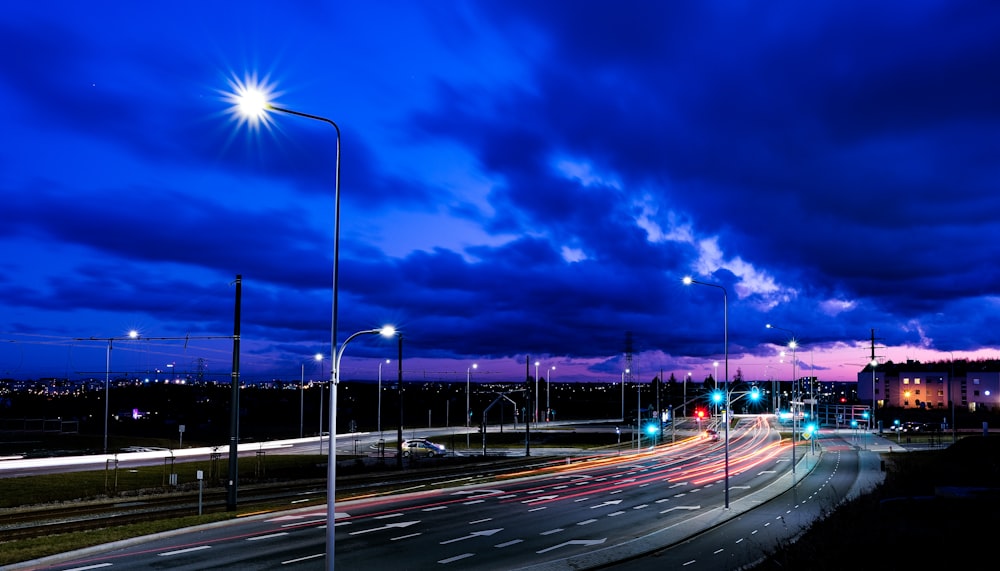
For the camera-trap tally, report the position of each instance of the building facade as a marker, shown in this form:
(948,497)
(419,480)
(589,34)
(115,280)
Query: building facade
(974,385)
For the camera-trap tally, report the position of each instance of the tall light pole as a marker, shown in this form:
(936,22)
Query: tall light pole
(793,344)
(380,396)
(685,405)
(251,102)
(548,394)
(468,409)
(725,327)
(536,392)
(302,398)
(331,483)
(318,357)
(625,372)
(132,335)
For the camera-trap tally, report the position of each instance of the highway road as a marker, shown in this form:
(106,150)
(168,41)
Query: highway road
(591,512)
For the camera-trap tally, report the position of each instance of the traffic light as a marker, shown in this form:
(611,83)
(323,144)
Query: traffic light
(755,394)
(651,428)
(716,397)
(810,429)
(700,413)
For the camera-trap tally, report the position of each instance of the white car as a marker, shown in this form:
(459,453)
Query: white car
(423,447)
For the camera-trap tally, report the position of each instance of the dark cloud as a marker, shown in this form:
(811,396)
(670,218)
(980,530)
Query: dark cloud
(516,179)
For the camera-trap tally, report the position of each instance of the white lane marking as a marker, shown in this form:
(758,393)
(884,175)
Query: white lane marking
(268,536)
(681,508)
(509,543)
(180,551)
(301,559)
(455,558)
(98,566)
(607,503)
(586,542)
(539,499)
(485,532)
(389,526)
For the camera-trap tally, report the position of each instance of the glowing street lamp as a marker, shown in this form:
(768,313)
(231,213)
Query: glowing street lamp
(725,320)
(252,105)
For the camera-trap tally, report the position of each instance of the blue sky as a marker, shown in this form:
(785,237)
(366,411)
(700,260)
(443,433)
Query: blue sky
(519,181)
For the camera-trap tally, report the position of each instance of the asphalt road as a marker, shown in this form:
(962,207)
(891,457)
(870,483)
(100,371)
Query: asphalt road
(620,511)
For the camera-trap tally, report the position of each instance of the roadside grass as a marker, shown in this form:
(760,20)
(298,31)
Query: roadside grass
(12,552)
(934,506)
(124,482)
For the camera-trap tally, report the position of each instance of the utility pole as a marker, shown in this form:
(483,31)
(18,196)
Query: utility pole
(234,413)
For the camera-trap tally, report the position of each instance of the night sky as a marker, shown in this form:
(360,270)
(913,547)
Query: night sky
(519,180)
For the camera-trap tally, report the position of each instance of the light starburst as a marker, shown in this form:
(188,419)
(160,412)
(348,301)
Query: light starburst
(250,100)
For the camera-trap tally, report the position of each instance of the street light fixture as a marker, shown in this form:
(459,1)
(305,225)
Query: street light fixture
(725,320)
(251,102)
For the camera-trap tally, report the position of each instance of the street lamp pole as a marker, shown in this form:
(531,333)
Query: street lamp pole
(625,372)
(793,344)
(686,379)
(725,320)
(536,392)
(251,101)
(319,359)
(302,397)
(133,334)
(331,484)
(548,393)
(468,409)
(380,397)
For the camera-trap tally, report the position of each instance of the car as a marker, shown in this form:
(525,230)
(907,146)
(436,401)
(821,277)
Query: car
(422,447)
(712,434)
(913,427)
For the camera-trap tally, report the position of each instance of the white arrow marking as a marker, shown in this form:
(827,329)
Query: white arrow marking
(485,532)
(389,526)
(587,542)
